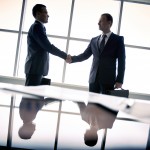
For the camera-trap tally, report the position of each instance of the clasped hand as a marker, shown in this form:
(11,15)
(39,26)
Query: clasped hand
(68,59)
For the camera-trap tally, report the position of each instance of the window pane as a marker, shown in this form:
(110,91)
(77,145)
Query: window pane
(4,125)
(23,54)
(137,70)
(8,46)
(86,16)
(78,73)
(59,13)
(10,9)
(56,63)
(135,24)
(123,133)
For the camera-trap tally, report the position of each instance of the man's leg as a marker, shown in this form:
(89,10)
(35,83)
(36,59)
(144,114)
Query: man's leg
(106,88)
(33,80)
(95,87)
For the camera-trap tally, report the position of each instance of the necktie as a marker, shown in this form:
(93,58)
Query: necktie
(102,44)
(44,29)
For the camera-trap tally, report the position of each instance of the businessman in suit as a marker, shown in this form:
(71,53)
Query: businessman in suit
(108,67)
(98,117)
(39,47)
(28,109)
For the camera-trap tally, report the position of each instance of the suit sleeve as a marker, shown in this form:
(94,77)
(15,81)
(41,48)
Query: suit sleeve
(41,38)
(121,60)
(83,56)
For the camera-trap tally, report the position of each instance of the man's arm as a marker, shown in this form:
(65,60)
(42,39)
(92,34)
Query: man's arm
(81,57)
(41,38)
(121,61)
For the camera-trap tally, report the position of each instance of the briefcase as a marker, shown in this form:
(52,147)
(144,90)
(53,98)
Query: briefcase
(46,81)
(119,92)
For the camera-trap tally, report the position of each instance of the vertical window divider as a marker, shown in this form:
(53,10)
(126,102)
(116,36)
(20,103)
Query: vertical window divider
(120,17)
(68,38)
(19,39)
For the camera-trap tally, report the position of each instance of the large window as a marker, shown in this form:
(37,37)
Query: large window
(9,20)
(135,29)
(78,73)
(8,43)
(137,70)
(71,26)
(135,24)
(86,15)
(10,14)
(59,13)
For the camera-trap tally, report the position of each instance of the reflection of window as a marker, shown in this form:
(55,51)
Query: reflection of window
(86,15)
(135,24)
(137,70)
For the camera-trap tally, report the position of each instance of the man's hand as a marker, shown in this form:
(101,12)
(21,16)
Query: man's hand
(68,59)
(118,85)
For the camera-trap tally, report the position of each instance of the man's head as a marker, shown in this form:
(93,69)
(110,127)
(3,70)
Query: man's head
(91,137)
(26,131)
(105,22)
(40,13)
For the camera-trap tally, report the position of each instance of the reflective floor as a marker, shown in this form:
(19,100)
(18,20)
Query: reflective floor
(42,123)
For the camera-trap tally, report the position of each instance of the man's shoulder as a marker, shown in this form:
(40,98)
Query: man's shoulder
(95,38)
(35,26)
(116,35)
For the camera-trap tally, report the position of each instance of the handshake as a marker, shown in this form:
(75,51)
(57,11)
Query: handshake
(68,59)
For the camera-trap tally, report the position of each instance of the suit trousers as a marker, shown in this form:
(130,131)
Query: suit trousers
(99,87)
(33,80)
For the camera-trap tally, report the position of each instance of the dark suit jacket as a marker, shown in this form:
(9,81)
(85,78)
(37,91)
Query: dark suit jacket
(97,115)
(105,62)
(39,47)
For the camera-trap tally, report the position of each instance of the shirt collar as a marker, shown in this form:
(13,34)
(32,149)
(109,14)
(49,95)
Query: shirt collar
(108,34)
(41,23)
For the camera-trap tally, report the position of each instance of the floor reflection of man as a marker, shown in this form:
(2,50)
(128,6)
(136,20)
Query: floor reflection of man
(28,110)
(98,118)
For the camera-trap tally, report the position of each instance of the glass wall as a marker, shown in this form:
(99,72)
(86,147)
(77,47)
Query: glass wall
(135,28)
(86,15)
(9,28)
(71,25)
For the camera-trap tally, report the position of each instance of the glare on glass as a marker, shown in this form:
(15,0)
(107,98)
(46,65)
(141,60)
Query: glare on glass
(78,73)
(86,15)
(8,46)
(135,24)
(10,14)
(137,70)
(59,13)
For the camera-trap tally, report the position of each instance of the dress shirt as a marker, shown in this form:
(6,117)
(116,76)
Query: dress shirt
(106,39)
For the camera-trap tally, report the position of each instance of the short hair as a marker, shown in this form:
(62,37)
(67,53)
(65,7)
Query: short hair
(37,8)
(109,17)
(90,140)
(26,131)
